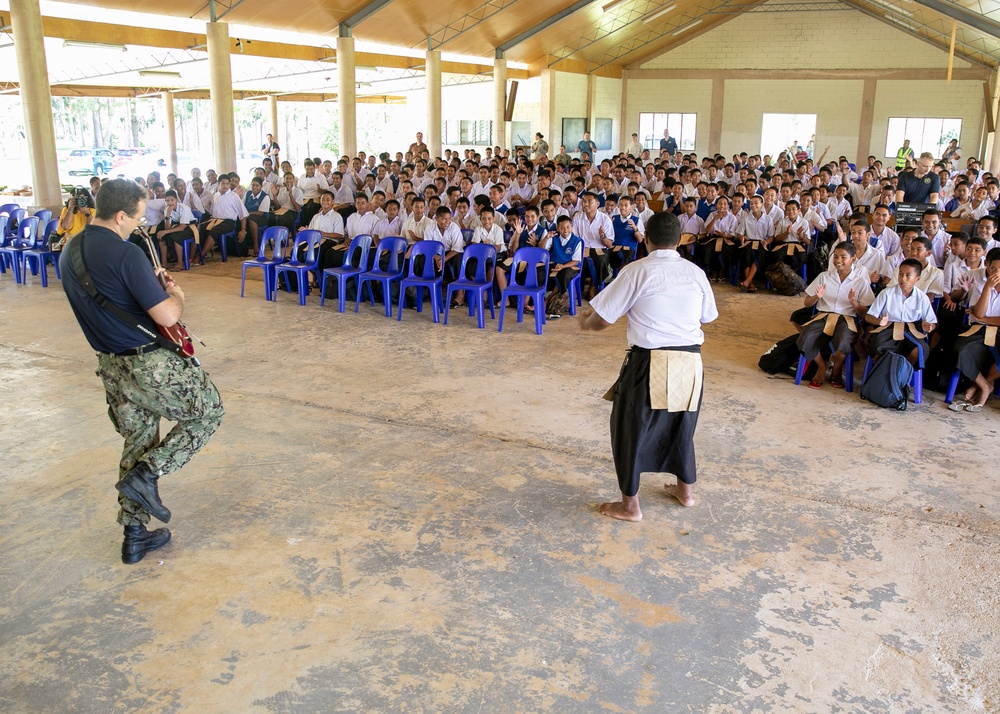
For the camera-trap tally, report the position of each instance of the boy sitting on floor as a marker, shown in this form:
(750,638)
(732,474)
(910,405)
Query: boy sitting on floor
(839,295)
(896,313)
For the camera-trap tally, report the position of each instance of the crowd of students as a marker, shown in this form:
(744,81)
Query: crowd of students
(741,216)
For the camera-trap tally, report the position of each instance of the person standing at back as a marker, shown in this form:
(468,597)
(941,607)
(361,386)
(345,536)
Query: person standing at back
(144,382)
(657,398)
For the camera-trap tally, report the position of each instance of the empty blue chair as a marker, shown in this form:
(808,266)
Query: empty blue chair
(467,234)
(44,215)
(427,276)
(38,256)
(280,236)
(533,258)
(5,259)
(8,207)
(15,216)
(357,250)
(480,284)
(394,248)
(13,251)
(301,268)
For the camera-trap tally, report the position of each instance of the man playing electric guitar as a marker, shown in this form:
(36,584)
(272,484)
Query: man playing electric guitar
(118,299)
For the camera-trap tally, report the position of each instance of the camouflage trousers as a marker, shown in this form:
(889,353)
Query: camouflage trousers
(141,390)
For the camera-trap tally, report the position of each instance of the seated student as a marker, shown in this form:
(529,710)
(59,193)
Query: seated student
(629,233)
(598,235)
(610,205)
(177,225)
(965,258)
(447,232)
(311,184)
(490,233)
(200,196)
(566,255)
(706,205)
(690,221)
(417,224)
(715,248)
(867,256)
(791,236)
(526,233)
(258,205)
(228,214)
(754,231)
(987,229)
(975,360)
(931,278)
(955,265)
(343,196)
(939,238)
(673,198)
(329,222)
(900,310)
(881,235)
(391,224)
(906,236)
(839,294)
(287,202)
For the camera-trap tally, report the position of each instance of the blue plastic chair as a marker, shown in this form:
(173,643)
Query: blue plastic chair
(800,370)
(15,216)
(467,234)
(44,215)
(8,207)
(476,288)
(279,235)
(533,258)
(5,259)
(225,238)
(427,277)
(301,268)
(957,375)
(395,247)
(37,257)
(575,289)
(13,250)
(362,243)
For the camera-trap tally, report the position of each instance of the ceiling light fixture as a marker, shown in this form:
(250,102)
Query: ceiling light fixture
(659,12)
(159,73)
(612,5)
(684,28)
(94,45)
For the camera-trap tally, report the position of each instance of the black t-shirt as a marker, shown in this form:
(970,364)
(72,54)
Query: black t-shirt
(669,144)
(918,190)
(121,273)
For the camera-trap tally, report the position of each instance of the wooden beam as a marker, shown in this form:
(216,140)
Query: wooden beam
(960,73)
(84,90)
(85,31)
(988,103)
(573,67)
(951,50)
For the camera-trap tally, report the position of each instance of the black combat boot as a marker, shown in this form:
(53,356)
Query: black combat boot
(139,484)
(139,541)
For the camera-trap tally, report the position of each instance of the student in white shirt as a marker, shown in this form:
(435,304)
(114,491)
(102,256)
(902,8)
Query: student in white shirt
(287,202)
(598,234)
(716,249)
(940,239)
(868,256)
(791,236)
(881,235)
(839,295)
(931,278)
(907,305)
(391,225)
(447,232)
(228,214)
(975,360)
(362,221)
(312,184)
(755,232)
(177,225)
(416,225)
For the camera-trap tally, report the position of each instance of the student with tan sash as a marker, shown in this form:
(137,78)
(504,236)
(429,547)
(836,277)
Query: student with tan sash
(657,398)
(977,346)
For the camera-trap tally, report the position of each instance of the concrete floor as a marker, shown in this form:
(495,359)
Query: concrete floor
(402,517)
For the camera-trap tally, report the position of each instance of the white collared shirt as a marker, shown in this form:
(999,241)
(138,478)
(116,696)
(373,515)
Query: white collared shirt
(916,308)
(228,206)
(181,215)
(590,231)
(312,186)
(666,298)
(836,299)
(452,236)
(756,228)
(976,291)
(931,281)
(691,224)
(331,222)
(358,224)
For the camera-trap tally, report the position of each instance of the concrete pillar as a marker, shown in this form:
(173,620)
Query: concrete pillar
(346,94)
(36,102)
(272,105)
(221,92)
(433,71)
(171,130)
(550,128)
(500,100)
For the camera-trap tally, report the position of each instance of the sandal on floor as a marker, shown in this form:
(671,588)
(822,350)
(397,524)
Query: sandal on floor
(837,383)
(959,405)
(743,288)
(974,408)
(815,385)
(751,288)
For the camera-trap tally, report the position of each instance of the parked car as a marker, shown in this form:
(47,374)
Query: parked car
(124,156)
(90,161)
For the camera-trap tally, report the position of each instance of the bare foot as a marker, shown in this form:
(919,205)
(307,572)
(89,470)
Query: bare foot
(616,509)
(682,494)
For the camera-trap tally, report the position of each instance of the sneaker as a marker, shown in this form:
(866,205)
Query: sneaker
(553,316)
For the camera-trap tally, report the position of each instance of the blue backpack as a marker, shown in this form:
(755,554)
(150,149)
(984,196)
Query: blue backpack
(888,381)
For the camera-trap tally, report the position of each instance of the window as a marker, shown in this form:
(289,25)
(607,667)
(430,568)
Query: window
(784,132)
(467,132)
(681,126)
(928,134)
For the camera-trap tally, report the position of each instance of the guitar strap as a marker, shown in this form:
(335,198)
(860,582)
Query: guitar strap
(79,265)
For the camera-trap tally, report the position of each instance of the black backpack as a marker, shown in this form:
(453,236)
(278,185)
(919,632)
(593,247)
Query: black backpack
(783,358)
(888,381)
(784,280)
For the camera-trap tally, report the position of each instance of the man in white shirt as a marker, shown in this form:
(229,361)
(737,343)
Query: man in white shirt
(882,236)
(598,234)
(312,184)
(635,147)
(940,239)
(667,299)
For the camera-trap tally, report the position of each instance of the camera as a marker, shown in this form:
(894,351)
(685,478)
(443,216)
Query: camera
(80,199)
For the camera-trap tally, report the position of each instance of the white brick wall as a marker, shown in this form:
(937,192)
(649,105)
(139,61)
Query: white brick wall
(662,95)
(804,40)
(962,100)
